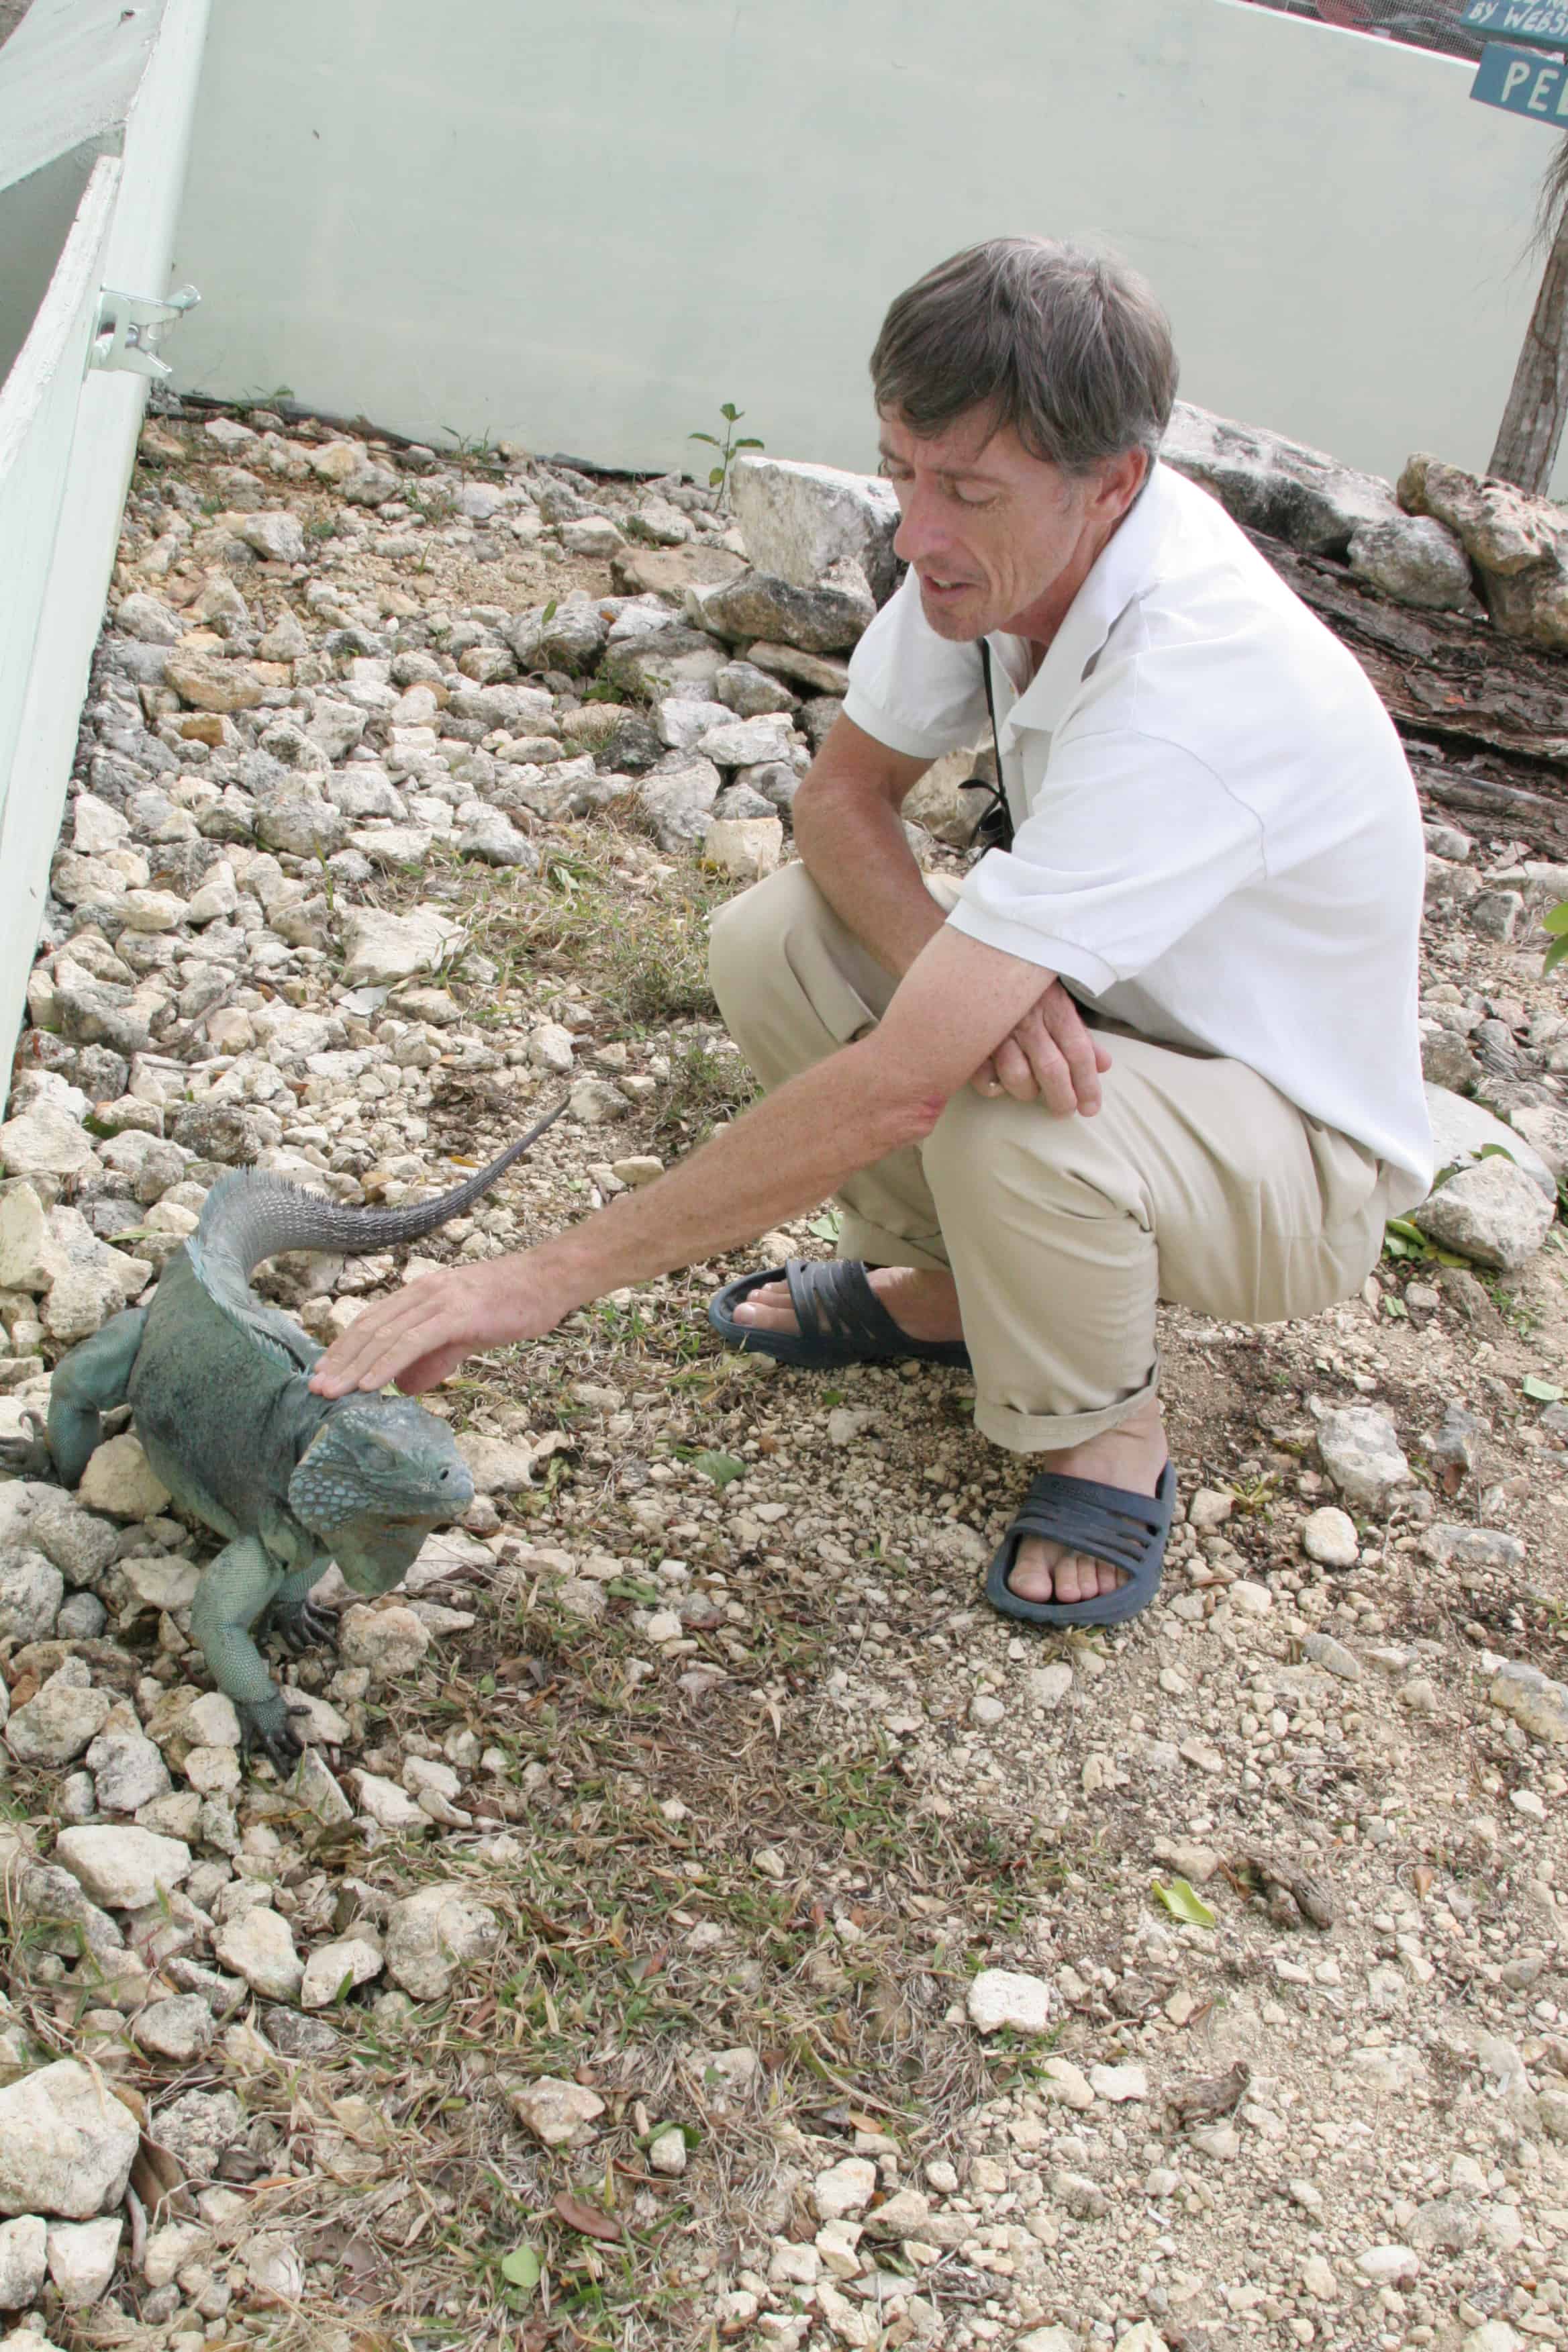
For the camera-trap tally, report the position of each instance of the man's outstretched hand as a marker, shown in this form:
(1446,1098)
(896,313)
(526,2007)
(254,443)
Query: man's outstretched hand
(1052,1056)
(422,1333)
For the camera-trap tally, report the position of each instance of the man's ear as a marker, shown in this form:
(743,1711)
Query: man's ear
(1118,483)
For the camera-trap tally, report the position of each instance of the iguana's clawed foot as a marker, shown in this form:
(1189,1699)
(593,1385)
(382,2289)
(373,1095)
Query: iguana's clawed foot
(27,1457)
(305,1626)
(265,1725)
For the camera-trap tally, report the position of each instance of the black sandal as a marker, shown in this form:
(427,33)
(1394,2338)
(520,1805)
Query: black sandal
(842,1320)
(1107,1523)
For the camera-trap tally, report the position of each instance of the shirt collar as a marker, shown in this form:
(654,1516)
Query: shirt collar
(1126,565)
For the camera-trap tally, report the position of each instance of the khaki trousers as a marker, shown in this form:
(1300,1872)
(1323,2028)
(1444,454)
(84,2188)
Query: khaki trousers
(1195,1182)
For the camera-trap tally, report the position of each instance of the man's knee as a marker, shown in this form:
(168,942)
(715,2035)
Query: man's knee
(748,940)
(990,1157)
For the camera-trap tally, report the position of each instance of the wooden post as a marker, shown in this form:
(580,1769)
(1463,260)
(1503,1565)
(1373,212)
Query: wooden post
(1531,428)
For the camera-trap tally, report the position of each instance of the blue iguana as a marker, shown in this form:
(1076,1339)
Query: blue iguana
(217,1383)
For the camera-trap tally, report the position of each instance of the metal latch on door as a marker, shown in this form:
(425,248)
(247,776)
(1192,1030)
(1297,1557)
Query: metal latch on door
(131,326)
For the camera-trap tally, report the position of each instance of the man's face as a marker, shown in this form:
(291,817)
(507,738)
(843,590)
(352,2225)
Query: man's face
(1000,541)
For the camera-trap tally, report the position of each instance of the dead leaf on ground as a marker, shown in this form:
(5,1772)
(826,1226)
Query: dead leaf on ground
(588,2220)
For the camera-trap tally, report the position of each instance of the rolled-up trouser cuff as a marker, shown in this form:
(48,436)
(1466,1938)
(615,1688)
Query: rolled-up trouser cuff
(876,1246)
(1050,1433)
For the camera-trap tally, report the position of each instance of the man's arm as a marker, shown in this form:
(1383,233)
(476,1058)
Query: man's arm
(783,1156)
(852,843)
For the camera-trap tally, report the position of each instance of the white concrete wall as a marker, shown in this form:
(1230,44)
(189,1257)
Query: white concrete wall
(68,442)
(584,228)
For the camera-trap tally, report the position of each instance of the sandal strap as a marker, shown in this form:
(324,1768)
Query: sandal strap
(834,1301)
(1107,1523)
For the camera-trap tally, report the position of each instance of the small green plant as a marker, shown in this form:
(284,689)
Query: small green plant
(728,448)
(1555,922)
(474,450)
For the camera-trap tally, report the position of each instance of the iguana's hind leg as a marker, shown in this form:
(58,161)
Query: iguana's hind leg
(297,1624)
(88,1382)
(235,1590)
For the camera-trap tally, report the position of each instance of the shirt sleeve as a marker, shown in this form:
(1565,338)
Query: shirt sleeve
(911,689)
(1133,842)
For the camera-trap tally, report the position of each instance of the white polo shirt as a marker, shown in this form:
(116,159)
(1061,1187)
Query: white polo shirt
(1217,838)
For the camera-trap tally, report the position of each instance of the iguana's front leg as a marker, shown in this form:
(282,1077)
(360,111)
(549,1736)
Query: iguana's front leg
(235,1589)
(92,1381)
(297,1624)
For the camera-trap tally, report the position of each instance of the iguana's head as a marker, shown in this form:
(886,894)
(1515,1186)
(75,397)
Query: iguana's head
(379,1473)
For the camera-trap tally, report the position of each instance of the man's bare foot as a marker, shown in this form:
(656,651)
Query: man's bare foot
(1132,1455)
(923,1304)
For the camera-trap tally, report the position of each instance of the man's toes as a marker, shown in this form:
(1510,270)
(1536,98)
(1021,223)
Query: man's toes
(768,1309)
(1033,1574)
(1076,1578)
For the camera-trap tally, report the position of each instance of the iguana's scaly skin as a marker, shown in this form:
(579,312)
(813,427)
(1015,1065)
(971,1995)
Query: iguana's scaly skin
(217,1383)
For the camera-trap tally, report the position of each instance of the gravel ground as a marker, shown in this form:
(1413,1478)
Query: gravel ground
(731,1931)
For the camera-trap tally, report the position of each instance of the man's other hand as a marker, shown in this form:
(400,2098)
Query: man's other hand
(1052,1056)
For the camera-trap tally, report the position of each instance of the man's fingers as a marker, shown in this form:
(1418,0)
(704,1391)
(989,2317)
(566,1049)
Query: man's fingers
(1016,1071)
(1079,1047)
(401,1330)
(1052,1079)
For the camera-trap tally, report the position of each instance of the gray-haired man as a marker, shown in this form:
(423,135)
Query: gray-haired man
(1217,848)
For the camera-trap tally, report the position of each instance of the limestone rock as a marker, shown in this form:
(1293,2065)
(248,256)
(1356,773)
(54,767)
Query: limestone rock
(748,847)
(58,1722)
(47,1141)
(1417,560)
(678,798)
(81,2258)
(259,1946)
(1504,531)
(1532,1699)
(1273,485)
(999,1997)
(207,683)
(149,620)
(179,2028)
(276,536)
(196,2130)
(496,841)
(555,2111)
(122,1866)
(1515,542)
(327,1969)
(1461,1131)
(1362,1453)
(67,2144)
(498,1465)
(119,1480)
(1545,1131)
(825,618)
(845,2189)
(796,521)
(388,1641)
(1491,1212)
(1329,1536)
(23,2252)
(381,948)
(31,1592)
(745,742)
(432,1934)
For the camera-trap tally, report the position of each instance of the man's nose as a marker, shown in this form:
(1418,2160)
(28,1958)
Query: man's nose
(920,534)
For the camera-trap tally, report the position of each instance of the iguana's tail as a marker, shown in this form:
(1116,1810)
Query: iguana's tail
(251,1216)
